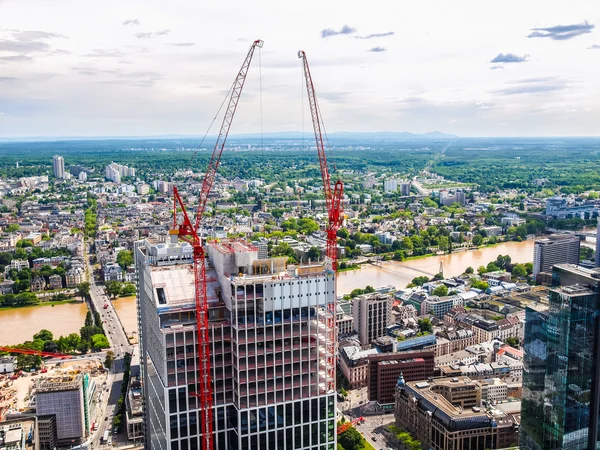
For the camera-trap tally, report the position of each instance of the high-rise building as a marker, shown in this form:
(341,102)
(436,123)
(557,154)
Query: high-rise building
(271,348)
(405,189)
(372,315)
(390,185)
(561,378)
(58,166)
(598,243)
(555,249)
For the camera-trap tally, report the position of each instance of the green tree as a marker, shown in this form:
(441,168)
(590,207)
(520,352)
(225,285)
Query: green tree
(513,342)
(519,270)
(88,319)
(12,227)
(425,325)
(43,335)
(492,267)
(99,341)
(469,270)
(477,240)
(113,288)
(441,290)
(420,281)
(110,358)
(351,439)
(125,259)
(529,268)
(314,253)
(127,290)
(83,289)
(343,233)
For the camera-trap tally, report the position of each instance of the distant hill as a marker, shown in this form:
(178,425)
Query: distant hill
(387,136)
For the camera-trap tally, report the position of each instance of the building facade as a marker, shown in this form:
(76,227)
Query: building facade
(372,315)
(561,364)
(58,166)
(555,249)
(384,370)
(272,349)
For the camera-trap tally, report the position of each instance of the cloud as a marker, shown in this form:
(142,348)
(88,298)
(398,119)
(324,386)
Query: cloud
(594,47)
(509,58)
(105,53)
(131,22)
(8,79)
(532,86)
(497,67)
(375,35)
(328,32)
(181,44)
(571,110)
(15,58)
(152,34)
(24,42)
(562,32)
(377,49)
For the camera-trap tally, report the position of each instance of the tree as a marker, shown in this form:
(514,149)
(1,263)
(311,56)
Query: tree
(478,284)
(491,267)
(425,325)
(113,288)
(529,268)
(420,281)
(343,233)
(519,271)
(12,227)
(125,259)
(314,253)
(441,290)
(83,289)
(351,439)
(502,261)
(477,240)
(110,358)
(481,270)
(99,341)
(43,335)
(128,289)
(88,319)
(513,342)
(469,270)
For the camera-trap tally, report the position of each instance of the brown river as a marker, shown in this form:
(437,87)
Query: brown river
(19,324)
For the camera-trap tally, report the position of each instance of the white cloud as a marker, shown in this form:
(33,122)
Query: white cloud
(439,61)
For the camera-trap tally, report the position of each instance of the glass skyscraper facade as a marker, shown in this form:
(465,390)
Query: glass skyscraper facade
(560,380)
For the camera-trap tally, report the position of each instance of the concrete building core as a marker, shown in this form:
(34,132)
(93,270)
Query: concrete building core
(271,340)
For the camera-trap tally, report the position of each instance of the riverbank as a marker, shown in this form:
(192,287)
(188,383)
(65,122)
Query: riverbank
(61,302)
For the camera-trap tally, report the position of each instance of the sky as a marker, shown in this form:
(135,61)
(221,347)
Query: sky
(148,67)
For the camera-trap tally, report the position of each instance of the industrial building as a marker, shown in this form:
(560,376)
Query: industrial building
(272,348)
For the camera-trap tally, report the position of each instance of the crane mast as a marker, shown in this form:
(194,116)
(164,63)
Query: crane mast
(333,201)
(333,198)
(191,233)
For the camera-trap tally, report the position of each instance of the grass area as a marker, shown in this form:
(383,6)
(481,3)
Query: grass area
(347,269)
(368,446)
(63,302)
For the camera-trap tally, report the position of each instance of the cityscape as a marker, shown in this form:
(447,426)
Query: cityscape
(274,283)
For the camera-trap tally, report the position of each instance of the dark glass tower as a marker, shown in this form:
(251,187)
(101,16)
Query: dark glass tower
(561,380)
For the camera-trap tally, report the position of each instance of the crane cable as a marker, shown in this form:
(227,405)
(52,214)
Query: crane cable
(262,144)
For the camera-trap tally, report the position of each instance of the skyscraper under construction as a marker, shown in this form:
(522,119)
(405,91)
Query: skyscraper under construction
(272,348)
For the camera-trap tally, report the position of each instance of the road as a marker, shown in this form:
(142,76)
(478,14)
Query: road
(119,344)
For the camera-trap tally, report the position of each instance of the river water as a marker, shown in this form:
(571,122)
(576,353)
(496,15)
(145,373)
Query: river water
(19,324)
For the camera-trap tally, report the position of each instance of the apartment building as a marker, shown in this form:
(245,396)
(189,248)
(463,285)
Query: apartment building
(372,315)
(555,249)
(272,348)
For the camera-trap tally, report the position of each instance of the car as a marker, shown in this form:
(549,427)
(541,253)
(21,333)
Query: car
(106,418)
(374,438)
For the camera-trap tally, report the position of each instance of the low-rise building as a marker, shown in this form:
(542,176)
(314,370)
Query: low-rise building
(354,365)
(7,364)
(19,432)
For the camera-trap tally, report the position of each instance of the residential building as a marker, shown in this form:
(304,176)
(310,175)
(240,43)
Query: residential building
(405,189)
(37,284)
(55,282)
(444,414)
(384,370)
(143,189)
(17,264)
(112,272)
(390,185)
(271,348)
(561,364)
(555,249)
(58,166)
(7,364)
(75,276)
(372,315)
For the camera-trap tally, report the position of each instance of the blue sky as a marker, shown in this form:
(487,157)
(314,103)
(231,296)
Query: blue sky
(137,67)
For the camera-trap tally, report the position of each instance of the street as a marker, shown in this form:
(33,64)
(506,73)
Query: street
(119,344)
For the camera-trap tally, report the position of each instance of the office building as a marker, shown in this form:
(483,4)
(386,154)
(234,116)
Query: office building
(372,315)
(384,370)
(561,364)
(69,399)
(271,348)
(58,166)
(555,249)
(439,306)
(444,414)
(597,255)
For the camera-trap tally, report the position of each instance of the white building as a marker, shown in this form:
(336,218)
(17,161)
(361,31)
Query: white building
(7,364)
(58,166)
(390,185)
(555,249)
(372,315)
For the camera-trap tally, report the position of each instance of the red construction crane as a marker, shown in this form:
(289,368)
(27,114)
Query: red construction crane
(333,199)
(347,425)
(190,233)
(27,351)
